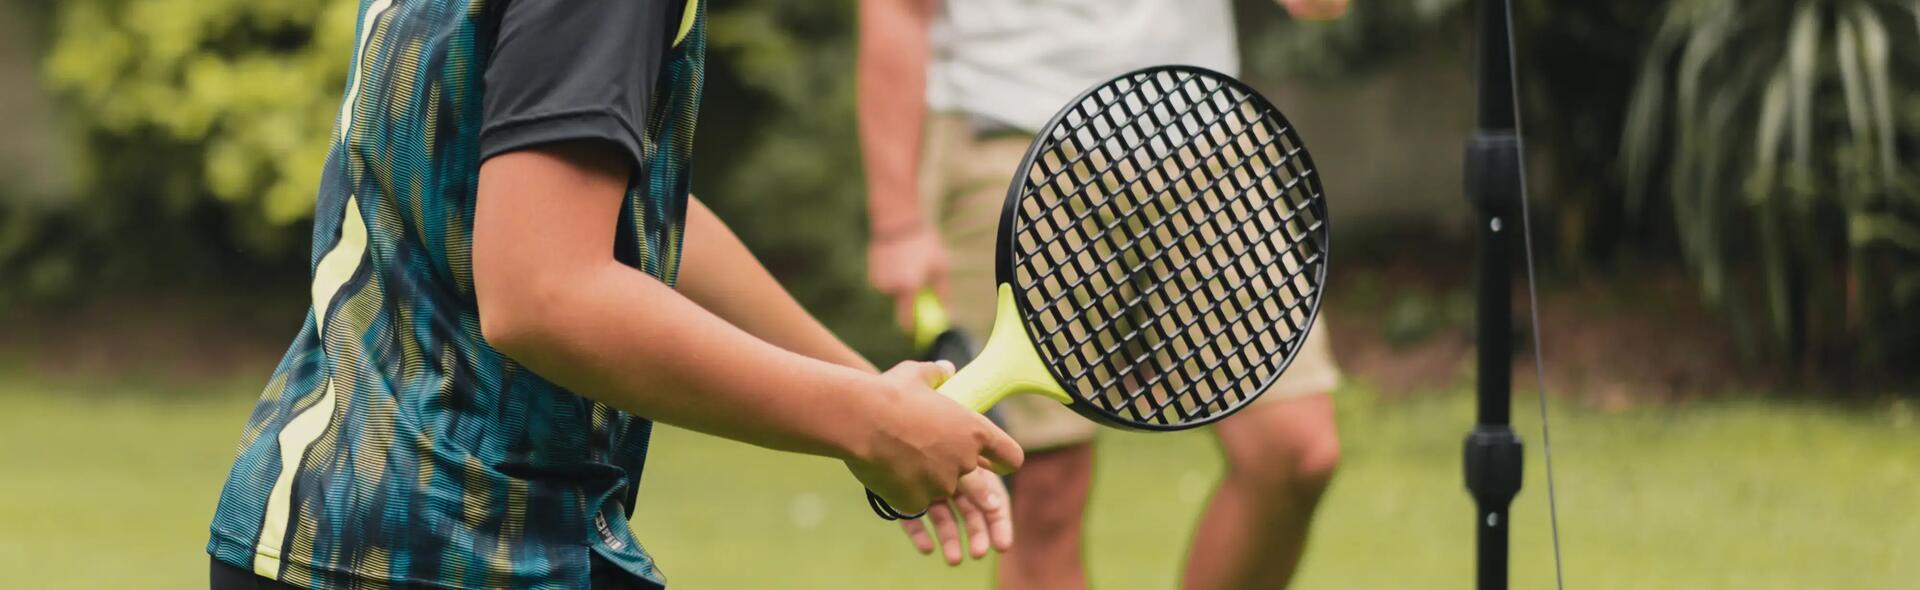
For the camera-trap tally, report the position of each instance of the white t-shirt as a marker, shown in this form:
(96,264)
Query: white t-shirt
(1018,61)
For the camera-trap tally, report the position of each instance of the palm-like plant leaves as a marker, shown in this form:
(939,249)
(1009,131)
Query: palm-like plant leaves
(1770,129)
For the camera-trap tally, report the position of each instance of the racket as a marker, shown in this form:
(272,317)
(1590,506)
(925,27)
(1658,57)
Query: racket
(1160,257)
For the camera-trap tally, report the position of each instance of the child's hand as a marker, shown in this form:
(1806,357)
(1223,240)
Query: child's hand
(983,507)
(922,442)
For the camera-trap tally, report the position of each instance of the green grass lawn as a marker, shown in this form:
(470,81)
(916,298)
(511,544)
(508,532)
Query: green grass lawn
(111,490)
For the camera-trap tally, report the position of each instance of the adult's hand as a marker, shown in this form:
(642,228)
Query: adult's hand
(1315,9)
(903,264)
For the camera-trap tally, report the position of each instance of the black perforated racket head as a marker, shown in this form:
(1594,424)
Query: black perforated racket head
(1166,240)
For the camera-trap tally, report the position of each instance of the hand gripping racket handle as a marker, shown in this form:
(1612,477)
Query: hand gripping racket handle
(1008,364)
(929,321)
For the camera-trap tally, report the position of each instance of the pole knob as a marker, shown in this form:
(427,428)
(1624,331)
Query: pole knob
(1493,171)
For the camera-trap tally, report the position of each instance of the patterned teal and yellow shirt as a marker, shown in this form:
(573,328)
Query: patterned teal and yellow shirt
(393,446)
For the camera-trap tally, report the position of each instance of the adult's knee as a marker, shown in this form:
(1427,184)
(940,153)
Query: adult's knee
(1290,448)
(1290,465)
(1315,460)
(1050,494)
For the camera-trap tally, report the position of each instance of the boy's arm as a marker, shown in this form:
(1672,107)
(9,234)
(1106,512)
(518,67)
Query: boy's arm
(748,296)
(904,255)
(552,296)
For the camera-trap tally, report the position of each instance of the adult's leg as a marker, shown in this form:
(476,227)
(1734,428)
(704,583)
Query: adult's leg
(1049,505)
(1280,457)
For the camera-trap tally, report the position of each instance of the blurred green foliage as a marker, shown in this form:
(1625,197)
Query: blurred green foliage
(1575,61)
(778,158)
(204,125)
(201,127)
(228,99)
(1416,315)
(1782,137)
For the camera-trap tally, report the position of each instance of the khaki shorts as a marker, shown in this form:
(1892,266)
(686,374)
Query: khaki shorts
(964,178)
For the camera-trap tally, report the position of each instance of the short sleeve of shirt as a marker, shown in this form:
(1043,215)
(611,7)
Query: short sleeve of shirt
(564,70)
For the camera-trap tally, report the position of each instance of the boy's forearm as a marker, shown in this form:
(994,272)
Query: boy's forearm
(894,47)
(628,340)
(748,296)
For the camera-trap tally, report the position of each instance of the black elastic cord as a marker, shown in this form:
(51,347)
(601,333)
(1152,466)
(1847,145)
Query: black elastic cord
(886,511)
(1533,309)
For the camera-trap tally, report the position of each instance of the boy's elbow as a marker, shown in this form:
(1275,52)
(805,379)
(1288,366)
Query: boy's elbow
(510,317)
(505,327)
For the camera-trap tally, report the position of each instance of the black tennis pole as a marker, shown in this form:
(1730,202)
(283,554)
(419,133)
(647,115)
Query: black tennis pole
(1493,450)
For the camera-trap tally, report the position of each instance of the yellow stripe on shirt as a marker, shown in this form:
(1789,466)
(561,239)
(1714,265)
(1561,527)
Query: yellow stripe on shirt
(686,21)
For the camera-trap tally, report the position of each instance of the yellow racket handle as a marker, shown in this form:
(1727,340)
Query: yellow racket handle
(929,319)
(1007,365)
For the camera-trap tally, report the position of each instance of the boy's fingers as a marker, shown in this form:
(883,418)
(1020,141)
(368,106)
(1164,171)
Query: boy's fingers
(936,372)
(918,533)
(997,512)
(1000,527)
(943,527)
(976,526)
(999,452)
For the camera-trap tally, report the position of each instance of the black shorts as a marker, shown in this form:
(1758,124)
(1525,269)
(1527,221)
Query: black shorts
(227,577)
(605,576)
